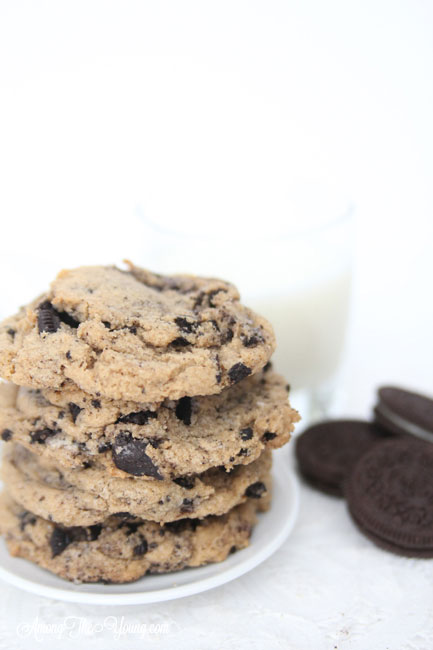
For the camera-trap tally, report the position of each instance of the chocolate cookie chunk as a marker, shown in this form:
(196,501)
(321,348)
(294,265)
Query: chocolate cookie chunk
(390,496)
(326,452)
(403,412)
(135,335)
(129,455)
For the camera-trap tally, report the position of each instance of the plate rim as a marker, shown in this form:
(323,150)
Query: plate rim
(281,471)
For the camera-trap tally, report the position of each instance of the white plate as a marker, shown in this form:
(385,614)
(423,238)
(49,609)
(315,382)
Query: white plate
(270,532)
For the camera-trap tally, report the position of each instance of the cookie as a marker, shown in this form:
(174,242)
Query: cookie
(326,452)
(390,496)
(134,335)
(393,548)
(403,412)
(124,549)
(87,496)
(182,437)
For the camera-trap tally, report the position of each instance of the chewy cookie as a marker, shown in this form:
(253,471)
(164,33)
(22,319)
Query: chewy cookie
(327,452)
(124,549)
(403,412)
(87,496)
(138,419)
(134,335)
(390,496)
(182,437)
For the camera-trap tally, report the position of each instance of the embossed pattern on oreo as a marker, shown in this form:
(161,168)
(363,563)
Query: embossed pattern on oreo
(390,493)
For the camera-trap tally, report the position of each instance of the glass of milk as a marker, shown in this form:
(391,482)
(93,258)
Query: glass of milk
(296,271)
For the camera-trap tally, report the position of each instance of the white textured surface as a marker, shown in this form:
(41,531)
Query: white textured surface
(328,587)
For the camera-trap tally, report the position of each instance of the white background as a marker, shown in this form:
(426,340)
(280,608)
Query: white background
(206,113)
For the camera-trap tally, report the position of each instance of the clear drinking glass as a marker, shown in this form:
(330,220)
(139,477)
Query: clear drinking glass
(297,274)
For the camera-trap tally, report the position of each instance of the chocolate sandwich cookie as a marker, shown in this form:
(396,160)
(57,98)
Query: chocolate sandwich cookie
(124,548)
(134,335)
(403,412)
(390,496)
(327,451)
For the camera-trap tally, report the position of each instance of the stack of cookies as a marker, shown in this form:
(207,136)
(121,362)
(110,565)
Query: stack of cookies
(139,416)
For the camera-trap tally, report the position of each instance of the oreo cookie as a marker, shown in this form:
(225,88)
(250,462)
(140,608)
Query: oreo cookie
(393,548)
(327,451)
(390,496)
(403,412)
